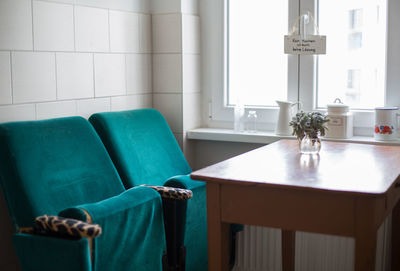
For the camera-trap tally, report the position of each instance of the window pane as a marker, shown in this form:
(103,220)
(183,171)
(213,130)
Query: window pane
(257,66)
(354,67)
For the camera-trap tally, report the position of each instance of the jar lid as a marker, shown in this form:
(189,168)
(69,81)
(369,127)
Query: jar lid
(337,107)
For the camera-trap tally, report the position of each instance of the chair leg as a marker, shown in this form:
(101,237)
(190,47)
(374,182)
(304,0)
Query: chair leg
(174,224)
(232,246)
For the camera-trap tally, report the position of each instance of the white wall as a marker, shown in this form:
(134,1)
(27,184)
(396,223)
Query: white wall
(70,57)
(176,67)
(73,57)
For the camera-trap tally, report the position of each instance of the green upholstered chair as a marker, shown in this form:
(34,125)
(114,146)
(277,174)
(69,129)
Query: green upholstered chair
(145,151)
(61,166)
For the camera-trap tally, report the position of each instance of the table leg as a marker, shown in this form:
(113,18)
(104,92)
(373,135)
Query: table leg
(365,236)
(396,237)
(288,250)
(365,253)
(218,232)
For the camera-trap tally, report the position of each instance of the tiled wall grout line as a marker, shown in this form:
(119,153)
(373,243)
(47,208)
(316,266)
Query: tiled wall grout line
(126,75)
(33,34)
(72,52)
(109,30)
(97,7)
(11,79)
(173,13)
(55,74)
(74,25)
(94,76)
(36,115)
(79,99)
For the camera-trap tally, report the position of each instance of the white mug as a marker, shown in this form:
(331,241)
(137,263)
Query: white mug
(386,123)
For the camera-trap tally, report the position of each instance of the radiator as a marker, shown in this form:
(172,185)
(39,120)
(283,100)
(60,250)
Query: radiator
(259,249)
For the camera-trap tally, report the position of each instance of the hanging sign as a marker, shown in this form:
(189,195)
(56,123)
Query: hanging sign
(304,44)
(310,45)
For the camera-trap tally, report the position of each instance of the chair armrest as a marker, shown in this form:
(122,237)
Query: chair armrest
(184,181)
(66,227)
(133,229)
(167,192)
(36,252)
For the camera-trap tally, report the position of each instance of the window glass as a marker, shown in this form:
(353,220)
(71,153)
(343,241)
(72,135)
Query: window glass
(257,66)
(354,67)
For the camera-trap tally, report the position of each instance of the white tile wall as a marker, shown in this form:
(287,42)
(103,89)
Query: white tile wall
(120,103)
(191,73)
(190,7)
(124,32)
(72,56)
(179,139)
(18,112)
(170,105)
(62,1)
(110,75)
(53,26)
(86,108)
(167,33)
(15,25)
(33,76)
(56,77)
(191,34)
(166,6)
(5,78)
(145,33)
(126,5)
(167,73)
(91,29)
(55,109)
(191,111)
(138,73)
(143,6)
(74,75)
(176,65)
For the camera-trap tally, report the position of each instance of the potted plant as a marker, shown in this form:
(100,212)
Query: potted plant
(308,127)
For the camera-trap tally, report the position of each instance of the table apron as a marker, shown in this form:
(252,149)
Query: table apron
(295,210)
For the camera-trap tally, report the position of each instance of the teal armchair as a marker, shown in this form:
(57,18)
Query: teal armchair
(60,166)
(145,151)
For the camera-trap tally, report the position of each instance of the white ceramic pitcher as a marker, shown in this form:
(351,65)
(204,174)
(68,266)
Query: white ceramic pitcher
(284,117)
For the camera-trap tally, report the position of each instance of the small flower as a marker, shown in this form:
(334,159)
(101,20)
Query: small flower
(387,130)
(377,130)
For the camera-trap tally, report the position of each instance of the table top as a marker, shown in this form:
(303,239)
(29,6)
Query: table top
(339,167)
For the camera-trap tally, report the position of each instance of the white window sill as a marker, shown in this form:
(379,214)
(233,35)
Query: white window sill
(266,137)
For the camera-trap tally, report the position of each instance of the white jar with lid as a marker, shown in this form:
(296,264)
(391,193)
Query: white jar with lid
(341,120)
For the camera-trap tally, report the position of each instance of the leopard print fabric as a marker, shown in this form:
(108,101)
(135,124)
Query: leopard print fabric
(66,227)
(172,192)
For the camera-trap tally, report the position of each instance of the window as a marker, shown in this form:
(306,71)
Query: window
(352,92)
(257,70)
(355,18)
(359,59)
(243,57)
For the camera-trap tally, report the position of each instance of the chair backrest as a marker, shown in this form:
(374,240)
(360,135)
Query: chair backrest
(141,145)
(47,166)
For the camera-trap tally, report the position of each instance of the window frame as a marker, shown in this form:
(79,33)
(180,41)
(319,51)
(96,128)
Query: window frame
(301,69)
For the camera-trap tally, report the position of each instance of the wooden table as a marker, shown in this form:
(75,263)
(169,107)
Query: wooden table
(348,190)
